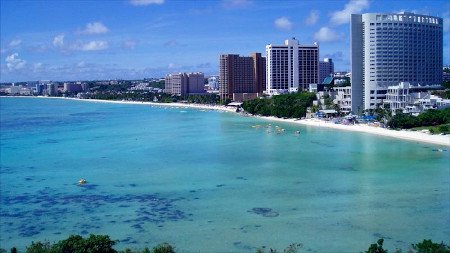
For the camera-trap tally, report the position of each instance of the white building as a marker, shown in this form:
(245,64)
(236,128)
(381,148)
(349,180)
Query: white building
(399,96)
(52,89)
(343,98)
(390,48)
(213,82)
(412,99)
(291,67)
(13,90)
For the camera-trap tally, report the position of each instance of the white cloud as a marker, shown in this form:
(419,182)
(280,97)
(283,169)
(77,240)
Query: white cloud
(15,43)
(232,4)
(129,44)
(145,2)
(326,34)
(312,18)
(283,23)
(173,66)
(95,28)
(58,41)
(171,43)
(94,45)
(37,66)
(352,7)
(446,19)
(14,63)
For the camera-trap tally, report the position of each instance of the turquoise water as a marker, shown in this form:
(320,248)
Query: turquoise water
(208,181)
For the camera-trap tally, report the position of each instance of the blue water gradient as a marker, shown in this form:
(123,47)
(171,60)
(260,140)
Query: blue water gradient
(208,181)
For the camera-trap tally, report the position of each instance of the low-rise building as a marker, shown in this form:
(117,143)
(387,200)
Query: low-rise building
(413,99)
(445,76)
(72,87)
(13,90)
(343,98)
(182,84)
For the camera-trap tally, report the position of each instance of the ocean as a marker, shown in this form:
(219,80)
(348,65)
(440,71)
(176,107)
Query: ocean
(210,181)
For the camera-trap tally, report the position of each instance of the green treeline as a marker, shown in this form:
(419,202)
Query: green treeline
(283,106)
(103,244)
(91,244)
(427,118)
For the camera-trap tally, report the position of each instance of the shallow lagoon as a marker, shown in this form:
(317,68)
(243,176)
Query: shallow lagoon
(208,181)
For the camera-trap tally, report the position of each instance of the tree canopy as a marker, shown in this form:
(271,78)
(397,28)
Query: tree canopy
(427,118)
(287,105)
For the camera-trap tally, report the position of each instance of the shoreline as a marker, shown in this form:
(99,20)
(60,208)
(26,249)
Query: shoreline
(443,140)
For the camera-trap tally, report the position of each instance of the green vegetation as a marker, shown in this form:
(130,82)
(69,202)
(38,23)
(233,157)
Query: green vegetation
(293,248)
(91,244)
(442,93)
(428,118)
(164,248)
(204,98)
(75,243)
(133,96)
(446,85)
(157,84)
(103,244)
(445,92)
(427,246)
(110,88)
(282,106)
(377,247)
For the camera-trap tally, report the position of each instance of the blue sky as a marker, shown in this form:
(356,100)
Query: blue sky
(131,39)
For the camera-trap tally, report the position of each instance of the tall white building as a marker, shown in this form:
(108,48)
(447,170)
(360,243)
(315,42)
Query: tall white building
(387,49)
(291,67)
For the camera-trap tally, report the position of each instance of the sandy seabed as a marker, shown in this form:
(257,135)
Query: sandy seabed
(443,140)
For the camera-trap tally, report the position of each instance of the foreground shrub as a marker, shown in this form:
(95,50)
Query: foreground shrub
(164,248)
(377,247)
(427,246)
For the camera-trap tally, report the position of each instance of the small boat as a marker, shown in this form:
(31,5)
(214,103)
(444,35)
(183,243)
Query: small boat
(82,181)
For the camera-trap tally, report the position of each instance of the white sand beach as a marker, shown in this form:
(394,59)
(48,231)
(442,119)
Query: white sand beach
(443,140)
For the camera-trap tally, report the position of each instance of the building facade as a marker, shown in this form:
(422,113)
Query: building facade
(326,69)
(291,67)
(239,75)
(387,49)
(259,69)
(413,99)
(52,89)
(182,84)
(213,82)
(343,98)
(72,87)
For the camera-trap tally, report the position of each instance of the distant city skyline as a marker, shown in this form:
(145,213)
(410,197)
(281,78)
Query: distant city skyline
(134,39)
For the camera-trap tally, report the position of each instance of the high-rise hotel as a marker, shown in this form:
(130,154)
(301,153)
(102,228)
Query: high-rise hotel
(291,67)
(387,49)
(241,77)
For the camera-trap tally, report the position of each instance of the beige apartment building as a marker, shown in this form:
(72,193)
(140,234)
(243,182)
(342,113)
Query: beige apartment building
(182,84)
